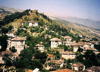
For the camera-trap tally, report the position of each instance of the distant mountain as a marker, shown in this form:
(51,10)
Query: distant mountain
(7,10)
(77,28)
(87,22)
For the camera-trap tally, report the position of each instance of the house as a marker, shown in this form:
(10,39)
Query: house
(95,42)
(68,55)
(67,43)
(55,42)
(10,34)
(93,69)
(50,56)
(63,70)
(88,45)
(13,55)
(34,24)
(18,43)
(54,63)
(68,38)
(40,47)
(93,49)
(78,67)
(76,46)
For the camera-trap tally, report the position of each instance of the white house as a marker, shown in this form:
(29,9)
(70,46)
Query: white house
(68,55)
(88,45)
(93,49)
(34,24)
(18,43)
(78,67)
(10,34)
(55,42)
(76,46)
(40,47)
(68,38)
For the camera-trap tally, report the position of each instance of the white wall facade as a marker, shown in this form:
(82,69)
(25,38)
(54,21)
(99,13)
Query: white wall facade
(55,44)
(66,56)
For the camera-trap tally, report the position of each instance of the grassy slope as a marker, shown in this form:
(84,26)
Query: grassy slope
(80,29)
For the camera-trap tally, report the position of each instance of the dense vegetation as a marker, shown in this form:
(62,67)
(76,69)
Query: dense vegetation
(12,17)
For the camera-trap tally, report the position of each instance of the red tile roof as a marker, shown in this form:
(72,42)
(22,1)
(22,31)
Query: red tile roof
(50,55)
(63,70)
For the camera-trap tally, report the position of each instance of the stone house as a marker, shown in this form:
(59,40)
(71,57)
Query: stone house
(93,69)
(55,42)
(67,43)
(93,49)
(18,43)
(76,46)
(54,63)
(88,45)
(12,55)
(40,47)
(34,24)
(78,67)
(68,38)
(68,55)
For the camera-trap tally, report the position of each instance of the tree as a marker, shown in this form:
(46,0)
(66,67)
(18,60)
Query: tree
(80,49)
(26,54)
(10,28)
(57,55)
(95,39)
(4,30)
(98,56)
(65,48)
(35,64)
(80,58)
(13,49)
(3,42)
(41,56)
(1,23)
(7,59)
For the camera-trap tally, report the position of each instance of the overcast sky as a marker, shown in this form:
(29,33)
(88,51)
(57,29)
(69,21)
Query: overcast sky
(88,9)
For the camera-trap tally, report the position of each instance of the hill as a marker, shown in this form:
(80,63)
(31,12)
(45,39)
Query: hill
(87,22)
(6,10)
(78,28)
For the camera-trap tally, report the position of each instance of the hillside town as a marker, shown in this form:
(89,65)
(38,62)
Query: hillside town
(47,47)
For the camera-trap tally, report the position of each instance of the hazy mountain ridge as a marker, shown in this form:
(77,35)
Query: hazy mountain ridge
(86,22)
(79,28)
(10,10)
